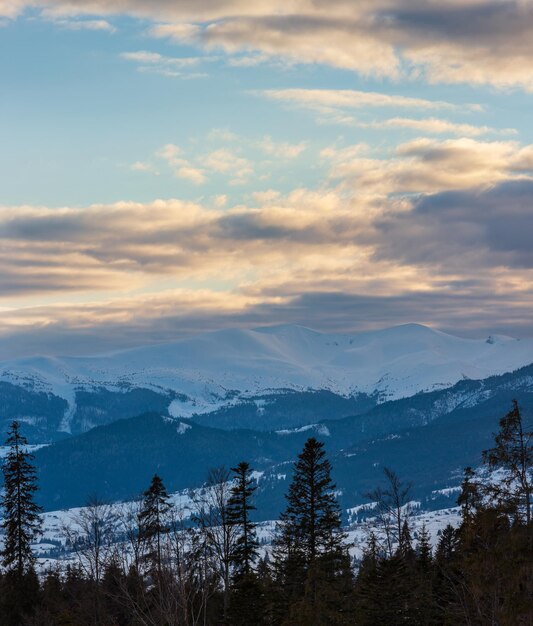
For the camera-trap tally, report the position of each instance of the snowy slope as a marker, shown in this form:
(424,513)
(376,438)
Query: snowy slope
(53,551)
(215,369)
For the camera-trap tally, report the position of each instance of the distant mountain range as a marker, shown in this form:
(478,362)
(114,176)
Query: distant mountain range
(427,438)
(264,379)
(420,401)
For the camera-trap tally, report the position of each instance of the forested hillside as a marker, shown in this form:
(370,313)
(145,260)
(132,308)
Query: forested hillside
(430,436)
(150,564)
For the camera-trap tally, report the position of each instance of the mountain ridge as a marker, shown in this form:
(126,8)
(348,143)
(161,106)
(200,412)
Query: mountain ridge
(226,369)
(118,459)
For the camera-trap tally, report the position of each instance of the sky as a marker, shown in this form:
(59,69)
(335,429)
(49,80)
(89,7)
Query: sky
(169,167)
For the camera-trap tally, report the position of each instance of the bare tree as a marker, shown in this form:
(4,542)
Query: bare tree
(195,571)
(131,545)
(90,534)
(392,508)
(177,593)
(219,534)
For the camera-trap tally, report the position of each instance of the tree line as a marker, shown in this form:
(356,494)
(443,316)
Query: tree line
(147,563)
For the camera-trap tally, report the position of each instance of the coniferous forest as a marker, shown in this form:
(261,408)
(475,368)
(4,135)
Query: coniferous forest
(149,565)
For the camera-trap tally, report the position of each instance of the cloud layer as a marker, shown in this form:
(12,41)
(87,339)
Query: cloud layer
(383,208)
(434,223)
(472,41)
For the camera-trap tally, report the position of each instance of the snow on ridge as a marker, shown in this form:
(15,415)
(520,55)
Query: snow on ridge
(182,428)
(220,368)
(31,448)
(320,429)
(52,550)
(447,491)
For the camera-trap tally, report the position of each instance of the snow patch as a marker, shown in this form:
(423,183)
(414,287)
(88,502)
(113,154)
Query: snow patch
(182,428)
(320,429)
(4,450)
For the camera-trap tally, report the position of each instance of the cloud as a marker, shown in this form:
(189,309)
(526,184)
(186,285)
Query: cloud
(11,9)
(329,99)
(226,161)
(331,259)
(180,33)
(266,197)
(377,221)
(171,153)
(489,227)
(476,42)
(198,167)
(166,66)
(182,168)
(484,42)
(311,236)
(227,158)
(155,58)
(222,134)
(248,60)
(140,166)
(220,201)
(428,165)
(342,43)
(436,230)
(281,150)
(376,210)
(192,174)
(55,250)
(435,126)
(98,326)
(163,237)
(336,106)
(94,25)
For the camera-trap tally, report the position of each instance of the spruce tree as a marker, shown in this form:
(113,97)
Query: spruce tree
(240,506)
(311,562)
(153,520)
(247,603)
(21,523)
(395,599)
(425,608)
(384,588)
(394,592)
(405,545)
(313,516)
(512,452)
(423,548)
(448,545)
(367,592)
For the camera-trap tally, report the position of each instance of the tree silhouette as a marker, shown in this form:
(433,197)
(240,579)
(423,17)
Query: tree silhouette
(239,508)
(513,453)
(22,524)
(153,521)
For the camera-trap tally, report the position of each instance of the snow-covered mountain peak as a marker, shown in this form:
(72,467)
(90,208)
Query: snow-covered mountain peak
(214,368)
